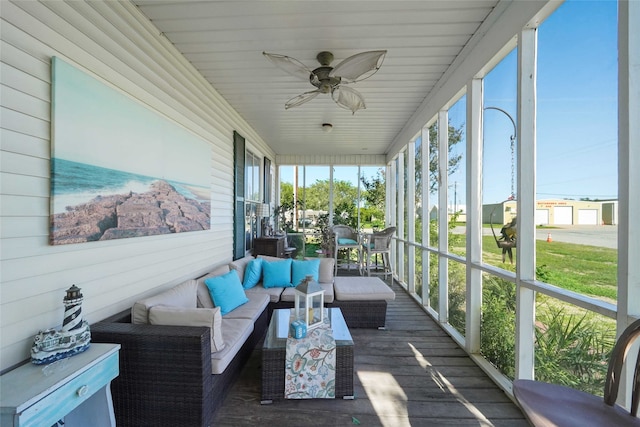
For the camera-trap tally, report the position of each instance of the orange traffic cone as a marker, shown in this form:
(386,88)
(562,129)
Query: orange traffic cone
(549,240)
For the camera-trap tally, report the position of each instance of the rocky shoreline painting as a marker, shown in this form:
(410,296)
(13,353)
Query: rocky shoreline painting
(118,168)
(161,210)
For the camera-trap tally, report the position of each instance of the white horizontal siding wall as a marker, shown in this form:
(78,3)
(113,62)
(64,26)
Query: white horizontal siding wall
(113,42)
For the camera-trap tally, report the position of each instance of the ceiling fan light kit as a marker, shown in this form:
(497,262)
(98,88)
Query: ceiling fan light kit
(332,80)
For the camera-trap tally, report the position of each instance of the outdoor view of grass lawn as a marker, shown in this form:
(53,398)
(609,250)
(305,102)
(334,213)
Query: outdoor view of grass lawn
(572,345)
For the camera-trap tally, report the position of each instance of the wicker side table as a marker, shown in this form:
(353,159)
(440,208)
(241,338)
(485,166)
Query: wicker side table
(274,349)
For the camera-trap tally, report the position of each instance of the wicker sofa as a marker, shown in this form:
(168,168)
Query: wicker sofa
(171,374)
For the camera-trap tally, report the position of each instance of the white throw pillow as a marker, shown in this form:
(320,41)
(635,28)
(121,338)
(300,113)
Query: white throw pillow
(179,316)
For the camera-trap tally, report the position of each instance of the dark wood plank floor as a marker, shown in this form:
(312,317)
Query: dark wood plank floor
(411,374)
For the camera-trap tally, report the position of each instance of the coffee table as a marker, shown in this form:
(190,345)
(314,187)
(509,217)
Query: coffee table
(274,350)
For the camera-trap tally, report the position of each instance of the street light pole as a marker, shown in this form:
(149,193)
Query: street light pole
(513,141)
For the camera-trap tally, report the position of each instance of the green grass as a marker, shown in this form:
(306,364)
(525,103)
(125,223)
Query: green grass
(588,270)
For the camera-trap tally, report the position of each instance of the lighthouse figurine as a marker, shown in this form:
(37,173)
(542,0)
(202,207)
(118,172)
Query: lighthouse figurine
(75,337)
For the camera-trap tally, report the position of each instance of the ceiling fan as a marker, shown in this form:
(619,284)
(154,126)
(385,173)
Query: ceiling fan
(332,80)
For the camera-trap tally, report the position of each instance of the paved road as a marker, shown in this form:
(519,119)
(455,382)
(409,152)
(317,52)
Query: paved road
(593,235)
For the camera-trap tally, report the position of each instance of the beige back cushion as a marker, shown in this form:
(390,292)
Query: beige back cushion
(325,272)
(270,258)
(179,316)
(182,295)
(204,296)
(239,266)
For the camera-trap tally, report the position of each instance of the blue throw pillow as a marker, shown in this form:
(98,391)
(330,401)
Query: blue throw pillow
(302,269)
(226,291)
(276,273)
(253,273)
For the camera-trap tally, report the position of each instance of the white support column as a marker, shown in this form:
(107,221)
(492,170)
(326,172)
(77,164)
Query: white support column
(331,209)
(443,217)
(393,207)
(411,215)
(389,205)
(276,201)
(424,173)
(474,214)
(526,249)
(628,174)
(399,267)
(359,196)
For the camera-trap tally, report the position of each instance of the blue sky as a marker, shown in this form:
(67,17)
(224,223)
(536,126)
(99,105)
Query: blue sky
(101,126)
(576,114)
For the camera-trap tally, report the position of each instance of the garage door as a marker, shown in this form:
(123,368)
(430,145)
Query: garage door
(542,216)
(588,216)
(563,215)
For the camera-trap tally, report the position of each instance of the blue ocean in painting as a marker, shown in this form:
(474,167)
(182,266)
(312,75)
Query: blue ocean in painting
(75,183)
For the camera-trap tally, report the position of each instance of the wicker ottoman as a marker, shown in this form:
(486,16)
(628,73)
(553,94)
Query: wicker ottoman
(363,301)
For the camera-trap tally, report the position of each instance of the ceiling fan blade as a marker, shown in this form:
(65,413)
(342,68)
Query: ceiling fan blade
(301,99)
(359,67)
(347,98)
(290,65)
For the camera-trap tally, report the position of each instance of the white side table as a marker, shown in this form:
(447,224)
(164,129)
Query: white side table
(77,390)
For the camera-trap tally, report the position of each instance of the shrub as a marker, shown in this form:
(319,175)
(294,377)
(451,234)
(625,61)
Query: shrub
(572,350)
(498,324)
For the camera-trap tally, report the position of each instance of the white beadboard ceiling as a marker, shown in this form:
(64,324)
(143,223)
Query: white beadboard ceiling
(224,40)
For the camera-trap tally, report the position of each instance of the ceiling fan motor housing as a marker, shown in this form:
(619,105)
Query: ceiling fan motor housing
(320,79)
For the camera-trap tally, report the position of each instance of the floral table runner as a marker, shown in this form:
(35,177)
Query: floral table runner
(310,365)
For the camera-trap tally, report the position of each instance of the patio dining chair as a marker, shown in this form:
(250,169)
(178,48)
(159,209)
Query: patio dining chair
(547,404)
(347,239)
(378,243)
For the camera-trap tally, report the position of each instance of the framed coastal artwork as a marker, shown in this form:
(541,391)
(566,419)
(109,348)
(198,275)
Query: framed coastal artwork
(120,169)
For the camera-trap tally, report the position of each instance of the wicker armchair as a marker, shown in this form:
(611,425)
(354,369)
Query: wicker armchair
(375,244)
(346,238)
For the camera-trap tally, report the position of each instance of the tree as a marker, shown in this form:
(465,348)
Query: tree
(375,191)
(317,194)
(286,193)
(283,213)
(374,196)
(455,136)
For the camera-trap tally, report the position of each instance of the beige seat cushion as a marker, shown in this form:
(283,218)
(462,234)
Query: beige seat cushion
(362,289)
(272,293)
(179,316)
(250,310)
(204,296)
(235,333)
(182,295)
(288,295)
